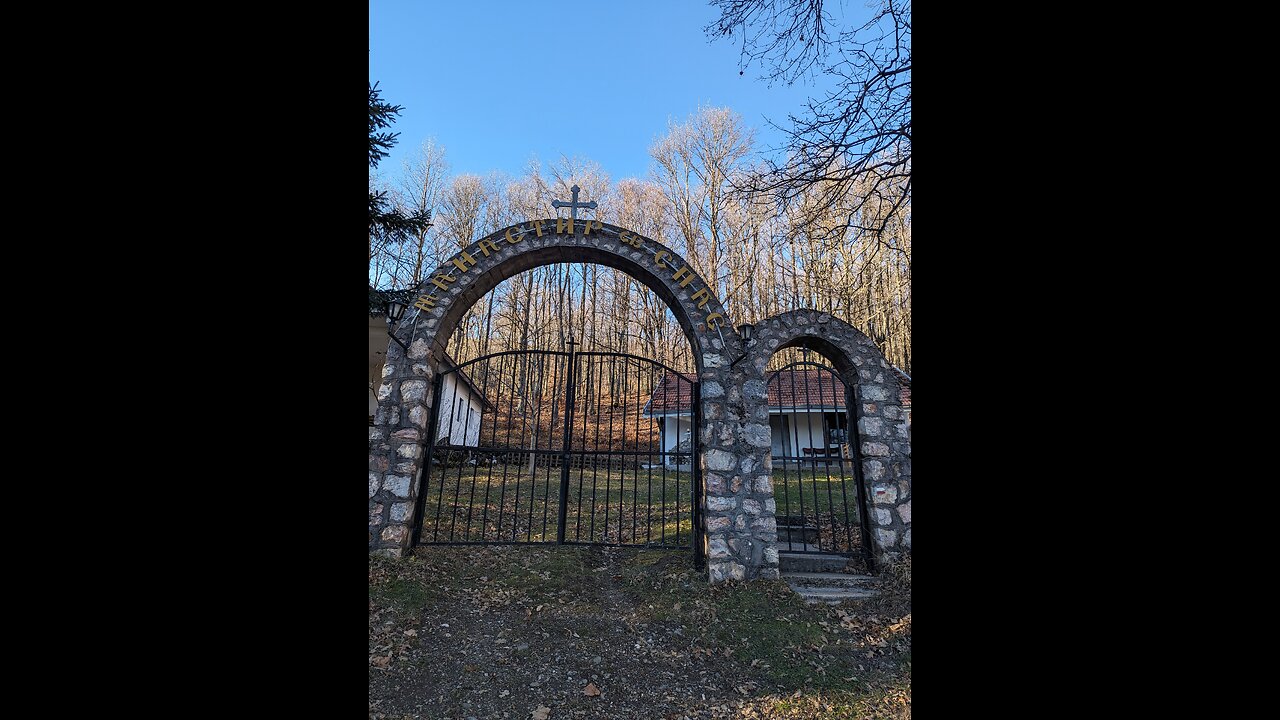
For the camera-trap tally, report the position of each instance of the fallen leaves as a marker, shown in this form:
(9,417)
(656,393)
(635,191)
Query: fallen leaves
(591,690)
(542,713)
(380,662)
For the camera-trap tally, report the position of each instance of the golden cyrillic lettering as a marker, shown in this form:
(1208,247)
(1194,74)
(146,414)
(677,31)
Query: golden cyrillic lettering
(486,246)
(464,260)
(706,297)
(713,321)
(445,277)
(564,225)
(516,239)
(587,230)
(537,227)
(683,271)
(657,258)
(426,302)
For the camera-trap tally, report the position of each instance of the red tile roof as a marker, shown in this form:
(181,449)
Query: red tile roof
(805,388)
(674,393)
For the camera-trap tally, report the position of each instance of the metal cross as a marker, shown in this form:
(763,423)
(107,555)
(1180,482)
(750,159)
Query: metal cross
(574,205)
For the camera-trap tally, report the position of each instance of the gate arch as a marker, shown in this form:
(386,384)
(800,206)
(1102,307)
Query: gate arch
(734,548)
(878,426)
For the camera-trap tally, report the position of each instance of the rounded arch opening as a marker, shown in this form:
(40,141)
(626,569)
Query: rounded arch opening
(601,307)
(453,292)
(815,472)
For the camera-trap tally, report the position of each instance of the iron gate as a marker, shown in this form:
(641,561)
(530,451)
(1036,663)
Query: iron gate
(817,478)
(562,448)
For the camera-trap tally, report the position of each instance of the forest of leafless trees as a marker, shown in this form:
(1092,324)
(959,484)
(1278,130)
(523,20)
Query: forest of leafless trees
(761,258)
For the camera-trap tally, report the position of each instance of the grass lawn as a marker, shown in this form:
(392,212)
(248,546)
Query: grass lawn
(501,631)
(632,506)
(490,504)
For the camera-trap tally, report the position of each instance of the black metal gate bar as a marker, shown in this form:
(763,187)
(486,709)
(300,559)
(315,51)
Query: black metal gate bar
(564,457)
(522,438)
(798,391)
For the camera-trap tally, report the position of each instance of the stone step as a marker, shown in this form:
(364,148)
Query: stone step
(799,547)
(831,596)
(799,578)
(810,562)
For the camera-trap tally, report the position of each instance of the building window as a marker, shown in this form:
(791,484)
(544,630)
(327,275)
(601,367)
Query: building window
(837,425)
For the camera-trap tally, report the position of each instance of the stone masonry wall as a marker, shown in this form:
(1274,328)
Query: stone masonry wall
(881,437)
(734,439)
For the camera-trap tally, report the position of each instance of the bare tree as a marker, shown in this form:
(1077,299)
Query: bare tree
(420,185)
(856,140)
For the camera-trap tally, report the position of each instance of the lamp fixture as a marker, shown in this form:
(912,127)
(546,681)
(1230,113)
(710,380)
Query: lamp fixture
(746,330)
(395,311)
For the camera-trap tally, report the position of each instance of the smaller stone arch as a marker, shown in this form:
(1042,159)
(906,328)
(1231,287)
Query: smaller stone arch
(882,443)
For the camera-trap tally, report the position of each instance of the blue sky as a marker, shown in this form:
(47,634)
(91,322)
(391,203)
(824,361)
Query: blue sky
(496,81)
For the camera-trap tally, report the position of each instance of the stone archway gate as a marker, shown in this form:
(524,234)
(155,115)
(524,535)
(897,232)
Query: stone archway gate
(737,506)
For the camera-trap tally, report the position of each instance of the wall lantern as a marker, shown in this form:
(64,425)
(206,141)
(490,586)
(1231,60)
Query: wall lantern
(395,311)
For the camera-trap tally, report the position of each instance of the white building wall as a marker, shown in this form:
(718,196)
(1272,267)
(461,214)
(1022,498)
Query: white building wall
(802,430)
(676,427)
(459,412)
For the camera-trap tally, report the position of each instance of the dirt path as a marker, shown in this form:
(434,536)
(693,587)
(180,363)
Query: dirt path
(503,632)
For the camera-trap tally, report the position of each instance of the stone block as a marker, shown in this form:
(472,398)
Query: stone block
(413,391)
(874,469)
(397,485)
(757,435)
(870,426)
(717,522)
(717,549)
(874,392)
(720,504)
(884,494)
(875,449)
(720,460)
(394,533)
